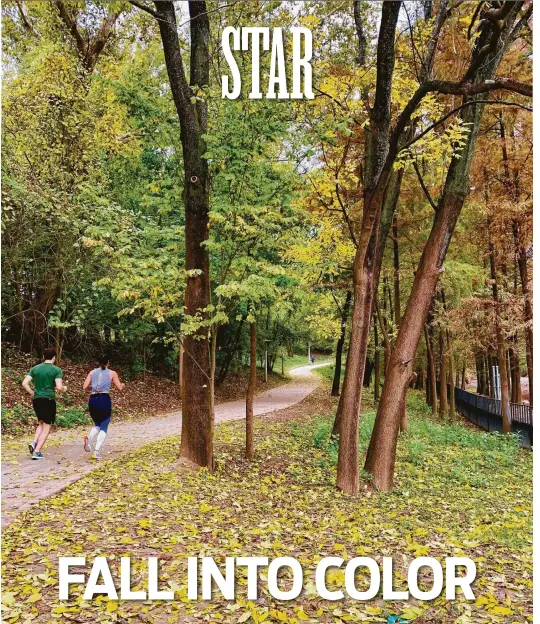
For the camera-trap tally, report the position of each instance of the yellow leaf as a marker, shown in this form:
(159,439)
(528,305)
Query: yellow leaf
(112,606)
(34,598)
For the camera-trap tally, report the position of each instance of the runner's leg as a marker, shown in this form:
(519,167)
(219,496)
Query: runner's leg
(45,430)
(92,438)
(103,426)
(39,429)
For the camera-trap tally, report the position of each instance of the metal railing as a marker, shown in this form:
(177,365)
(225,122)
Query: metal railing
(486,413)
(520,412)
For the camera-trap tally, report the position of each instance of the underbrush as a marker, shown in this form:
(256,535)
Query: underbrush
(18,419)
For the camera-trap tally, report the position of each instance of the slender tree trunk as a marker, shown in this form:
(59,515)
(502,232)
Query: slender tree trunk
(509,375)
(377,366)
(381,455)
(480,374)
(516,373)
(528,315)
(432,375)
(521,258)
(443,380)
(397,296)
(452,389)
(463,377)
(501,345)
(251,388)
(180,368)
(197,416)
(364,274)
(340,343)
(491,376)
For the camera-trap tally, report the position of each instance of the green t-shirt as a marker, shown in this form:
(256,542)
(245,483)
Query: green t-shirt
(44,376)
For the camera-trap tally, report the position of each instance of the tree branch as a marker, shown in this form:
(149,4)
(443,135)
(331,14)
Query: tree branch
(362,41)
(346,216)
(102,36)
(145,8)
(471,88)
(424,187)
(456,110)
(26,21)
(72,25)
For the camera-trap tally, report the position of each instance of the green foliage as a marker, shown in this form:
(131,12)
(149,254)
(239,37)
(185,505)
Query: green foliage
(14,419)
(68,417)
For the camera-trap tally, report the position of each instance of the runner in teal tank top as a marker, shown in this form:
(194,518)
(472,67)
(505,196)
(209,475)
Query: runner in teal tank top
(100,381)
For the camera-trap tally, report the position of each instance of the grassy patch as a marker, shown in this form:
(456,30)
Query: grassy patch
(458,492)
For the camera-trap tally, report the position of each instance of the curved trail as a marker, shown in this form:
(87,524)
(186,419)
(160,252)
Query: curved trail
(25,482)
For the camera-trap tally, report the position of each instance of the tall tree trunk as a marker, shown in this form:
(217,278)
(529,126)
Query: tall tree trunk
(340,343)
(397,296)
(180,369)
(462,386)
(480,374)
(501,344)
(491,375)
(197,418)
(443,377)
(348,473)
(432,374)
(381,455)
(516,373)
(521,258)
(452,389)
(523,267)
(251,388)
(377,382)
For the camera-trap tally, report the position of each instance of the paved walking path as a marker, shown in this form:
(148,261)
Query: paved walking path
(25,482)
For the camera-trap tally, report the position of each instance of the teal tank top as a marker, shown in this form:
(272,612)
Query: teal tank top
(101,380)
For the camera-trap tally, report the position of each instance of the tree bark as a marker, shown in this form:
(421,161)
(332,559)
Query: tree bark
(197,414)
(521,259)
(527,308)
(340,343)
(363,266)
(452,389)
(180,369)
(377,386)
(250,394)
(381,455)
(491,376)
(501,345)
(443,377)
(397,296)
(432,374)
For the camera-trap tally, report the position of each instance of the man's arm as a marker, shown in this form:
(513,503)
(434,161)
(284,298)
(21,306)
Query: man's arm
(117,382)
(26,385)
(59,385)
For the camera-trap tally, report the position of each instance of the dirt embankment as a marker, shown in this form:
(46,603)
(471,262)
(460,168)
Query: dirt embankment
(144,395)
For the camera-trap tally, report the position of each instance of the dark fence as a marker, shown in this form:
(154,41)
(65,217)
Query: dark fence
(486,413)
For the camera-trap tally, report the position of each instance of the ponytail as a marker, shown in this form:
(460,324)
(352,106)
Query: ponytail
(103,361)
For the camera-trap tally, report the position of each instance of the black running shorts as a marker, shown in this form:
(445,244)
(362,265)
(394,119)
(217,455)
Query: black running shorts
(45,410)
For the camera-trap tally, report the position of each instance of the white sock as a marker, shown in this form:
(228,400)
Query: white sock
(100,439)
(92,438)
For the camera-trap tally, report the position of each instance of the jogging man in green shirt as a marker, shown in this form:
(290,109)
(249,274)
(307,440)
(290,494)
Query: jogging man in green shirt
(47,380)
